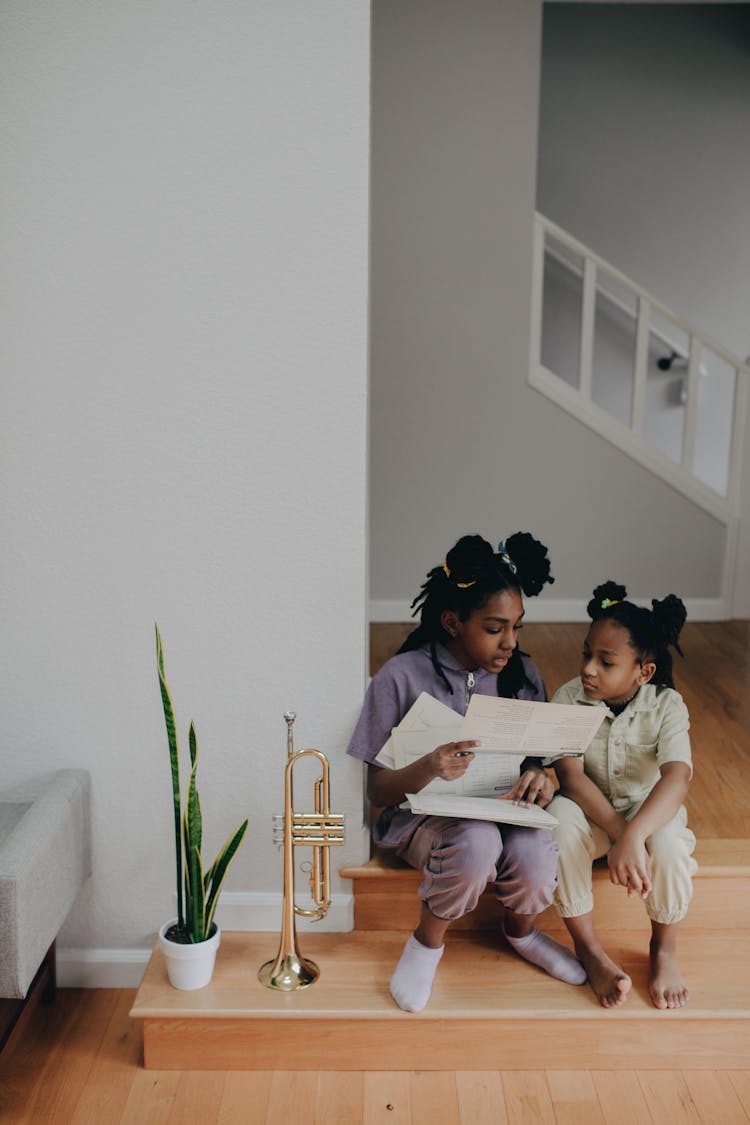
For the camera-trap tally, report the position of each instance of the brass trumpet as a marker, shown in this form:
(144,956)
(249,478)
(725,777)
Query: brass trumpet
(319,830)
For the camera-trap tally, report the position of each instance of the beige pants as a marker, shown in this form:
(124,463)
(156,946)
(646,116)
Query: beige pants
(581,842)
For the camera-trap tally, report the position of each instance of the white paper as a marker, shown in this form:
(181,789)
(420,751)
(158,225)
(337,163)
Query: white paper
(479,808)
(428,724)
(425,713)
(487,774)
(530,729)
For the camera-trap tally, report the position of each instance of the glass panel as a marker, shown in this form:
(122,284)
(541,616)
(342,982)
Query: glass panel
(613,359)
(715,415)
(666,387)
(561,310)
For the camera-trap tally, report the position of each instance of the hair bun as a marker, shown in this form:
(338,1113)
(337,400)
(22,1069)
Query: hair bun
(668,616)
(529,557)
(469,559)
(604,596)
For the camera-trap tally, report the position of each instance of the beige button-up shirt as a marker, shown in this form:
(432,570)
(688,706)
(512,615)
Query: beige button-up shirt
(628,751)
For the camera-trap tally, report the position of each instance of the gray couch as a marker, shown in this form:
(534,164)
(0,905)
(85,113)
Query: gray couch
(45,857)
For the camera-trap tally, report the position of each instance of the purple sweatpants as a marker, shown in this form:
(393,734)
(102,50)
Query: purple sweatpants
(460,857)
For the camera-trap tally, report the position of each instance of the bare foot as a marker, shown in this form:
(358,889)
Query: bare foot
(665,984)
(610,984)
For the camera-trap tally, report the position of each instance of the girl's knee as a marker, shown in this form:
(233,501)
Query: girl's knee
(474,848)
(671,848)
(532,851)
(572,830)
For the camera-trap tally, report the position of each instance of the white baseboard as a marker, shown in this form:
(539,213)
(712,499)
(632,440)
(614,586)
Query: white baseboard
(241,911)
(260,912)
(556,609)
(101,968)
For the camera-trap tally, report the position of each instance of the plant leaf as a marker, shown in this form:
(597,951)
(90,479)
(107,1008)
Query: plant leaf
(194,875)
(219,869)
(174,761)
(193,814)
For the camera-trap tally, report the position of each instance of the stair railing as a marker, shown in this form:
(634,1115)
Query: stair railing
(717,492)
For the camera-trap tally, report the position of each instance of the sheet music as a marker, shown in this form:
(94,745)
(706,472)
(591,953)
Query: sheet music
(430,723)
(528,728)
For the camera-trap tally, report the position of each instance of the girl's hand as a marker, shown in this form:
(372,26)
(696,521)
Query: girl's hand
(534,787)
(630,865)
(452,759)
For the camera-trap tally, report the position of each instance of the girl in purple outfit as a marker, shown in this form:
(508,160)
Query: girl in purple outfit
(471,612)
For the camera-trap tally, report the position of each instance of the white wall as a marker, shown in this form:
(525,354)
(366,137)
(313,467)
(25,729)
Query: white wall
(184,279)
(459,441)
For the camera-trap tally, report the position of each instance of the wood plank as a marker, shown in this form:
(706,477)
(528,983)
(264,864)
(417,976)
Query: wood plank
(620,1097)
(714,1097)
(719,900)
(292,1096)
(29,1051)
(340,1098)
(575,1098)
(527,1097)
(740,1080)
(67,1069)
(481,1097)
(107,1088)
(434,1100)
(668,1098)
(245,1097)
(387,1098)
(198,1097)
(151,1098)
(468,1043)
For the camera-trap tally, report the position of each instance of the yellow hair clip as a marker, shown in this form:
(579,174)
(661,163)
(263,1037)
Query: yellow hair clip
(607,603)
(461,585)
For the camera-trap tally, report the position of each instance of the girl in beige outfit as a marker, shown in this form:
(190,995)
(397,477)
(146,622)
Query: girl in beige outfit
(624,798)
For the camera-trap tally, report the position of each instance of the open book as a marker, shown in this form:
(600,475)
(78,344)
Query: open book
(508,730)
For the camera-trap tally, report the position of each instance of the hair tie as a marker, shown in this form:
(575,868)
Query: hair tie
(607,603)
(505,557)
(461,585)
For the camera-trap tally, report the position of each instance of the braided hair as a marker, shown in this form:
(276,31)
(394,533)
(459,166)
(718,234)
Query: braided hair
(473,573)
(651,631)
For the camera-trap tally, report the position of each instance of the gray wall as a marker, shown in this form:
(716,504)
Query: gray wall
(643,152)
(459,441)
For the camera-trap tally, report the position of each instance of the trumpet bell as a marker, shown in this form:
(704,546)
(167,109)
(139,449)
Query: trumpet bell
(288,972)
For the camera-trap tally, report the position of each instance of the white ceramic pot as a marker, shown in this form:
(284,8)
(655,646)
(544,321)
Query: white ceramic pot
(189,966)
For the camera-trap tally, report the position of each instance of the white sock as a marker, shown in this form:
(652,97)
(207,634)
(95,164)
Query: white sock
(411,983)
(549,955)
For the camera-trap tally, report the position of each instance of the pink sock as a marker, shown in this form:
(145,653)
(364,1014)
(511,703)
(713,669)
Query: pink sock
(549,955)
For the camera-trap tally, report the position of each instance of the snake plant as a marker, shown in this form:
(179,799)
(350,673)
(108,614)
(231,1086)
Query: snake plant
(196,908)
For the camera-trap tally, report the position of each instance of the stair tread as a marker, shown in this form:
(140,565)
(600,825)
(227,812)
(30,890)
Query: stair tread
(479,978)
(715,856)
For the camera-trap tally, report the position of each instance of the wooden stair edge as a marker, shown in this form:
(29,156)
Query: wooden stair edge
(235,1023)
(715,856)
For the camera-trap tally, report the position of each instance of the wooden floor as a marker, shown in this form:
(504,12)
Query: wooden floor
(80,1061)
(79,1064)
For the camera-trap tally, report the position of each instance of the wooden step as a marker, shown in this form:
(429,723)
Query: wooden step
(488,1008)
(385,895)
